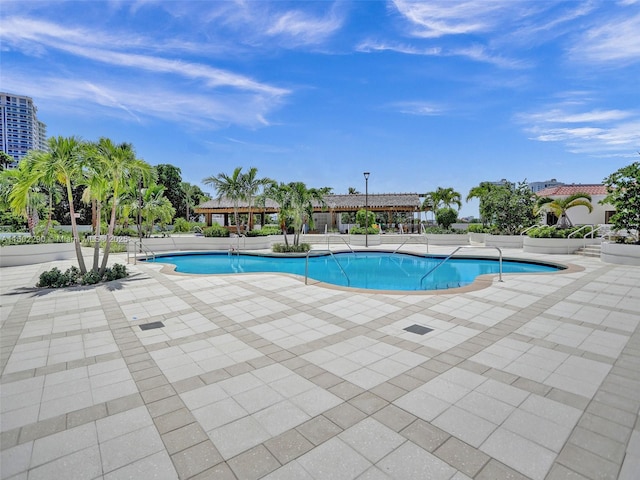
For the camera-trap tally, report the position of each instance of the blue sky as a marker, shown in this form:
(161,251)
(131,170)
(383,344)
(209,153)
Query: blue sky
(420,94)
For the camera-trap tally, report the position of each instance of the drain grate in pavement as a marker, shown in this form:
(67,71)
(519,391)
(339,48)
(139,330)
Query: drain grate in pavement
(149,326)
(419,329)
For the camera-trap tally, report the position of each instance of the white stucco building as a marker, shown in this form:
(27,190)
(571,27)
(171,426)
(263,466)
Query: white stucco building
(580,215)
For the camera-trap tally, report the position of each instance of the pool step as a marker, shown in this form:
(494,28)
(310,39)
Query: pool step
(589,251)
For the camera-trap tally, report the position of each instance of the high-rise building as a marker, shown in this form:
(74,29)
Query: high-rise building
(538,186)
(20,129)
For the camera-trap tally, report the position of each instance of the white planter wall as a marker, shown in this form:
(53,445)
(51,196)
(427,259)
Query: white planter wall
(501,241)
(16,255)
(620,254)
(177,243)
(556,245)
(361,240)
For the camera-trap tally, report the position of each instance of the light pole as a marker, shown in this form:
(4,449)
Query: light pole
(366,209)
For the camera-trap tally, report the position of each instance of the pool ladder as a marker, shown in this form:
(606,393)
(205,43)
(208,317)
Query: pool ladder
(454,252)
(306,265)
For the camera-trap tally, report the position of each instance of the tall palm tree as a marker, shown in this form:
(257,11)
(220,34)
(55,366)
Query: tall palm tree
(25,197)
(117,163)
(481,192)
(156,207)
(301,201)
(189,191)
(279,193)
(231,187)
(446,197)
(96,193)
(428,204)
(252,185)
(559,206)
(64,162)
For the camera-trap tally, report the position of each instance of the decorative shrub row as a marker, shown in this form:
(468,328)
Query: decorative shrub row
(364,230)
(55,278)
(265,231)
(215,230)
(282,248)
(549,231)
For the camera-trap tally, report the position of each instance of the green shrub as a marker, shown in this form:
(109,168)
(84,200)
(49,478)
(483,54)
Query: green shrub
(124,232)
(54,278)
(365,217)
(90,278)
(445,217)
(282,248)
(264,231)
(363,230)
(180,225)
(444,231)
(549,231)
(116,272)
(477,228)
(215,230)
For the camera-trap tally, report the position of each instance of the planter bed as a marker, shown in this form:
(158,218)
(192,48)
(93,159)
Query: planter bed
(620,253)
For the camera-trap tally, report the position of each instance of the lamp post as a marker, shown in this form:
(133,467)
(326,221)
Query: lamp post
(366,209)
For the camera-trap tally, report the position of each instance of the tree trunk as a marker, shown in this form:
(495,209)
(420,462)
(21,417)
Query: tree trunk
(112,225)
(74,230)
(96,246)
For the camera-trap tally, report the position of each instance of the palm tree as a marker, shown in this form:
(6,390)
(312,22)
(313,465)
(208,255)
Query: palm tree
(63,162)
(252,186)
(353,191)
(559,206)
(96,193)
(25,197)
(446,197)
(118,163)
(279,193)
(189,191)
(300,203)
(232,187)
(156,207)
(481,192)
(428,205)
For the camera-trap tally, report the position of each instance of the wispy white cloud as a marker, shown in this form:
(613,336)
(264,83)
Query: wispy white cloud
(125,99)
(474,52)
(612,41)
(593,132)
(438,18)
(374,46)
(301,28)
(419,108)
(27,34)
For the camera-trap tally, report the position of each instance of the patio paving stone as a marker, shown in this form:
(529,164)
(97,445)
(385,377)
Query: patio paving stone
(261,376)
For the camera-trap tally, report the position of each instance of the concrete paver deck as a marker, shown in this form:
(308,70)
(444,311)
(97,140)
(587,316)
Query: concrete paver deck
(260,376)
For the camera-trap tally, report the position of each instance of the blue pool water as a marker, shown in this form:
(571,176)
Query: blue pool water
(370,270)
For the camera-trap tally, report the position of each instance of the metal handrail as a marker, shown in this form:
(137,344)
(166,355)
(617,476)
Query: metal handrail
(138,244)
(343,240)
(581,228)
(306,266)
(409,238)
(237,249)
(455,251)
(531,227)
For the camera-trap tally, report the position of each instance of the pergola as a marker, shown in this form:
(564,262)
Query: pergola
(390,203)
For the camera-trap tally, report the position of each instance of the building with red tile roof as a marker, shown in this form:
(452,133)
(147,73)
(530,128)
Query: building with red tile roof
(566,190)
(580,215)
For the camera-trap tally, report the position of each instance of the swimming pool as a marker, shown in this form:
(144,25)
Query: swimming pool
(369,270)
